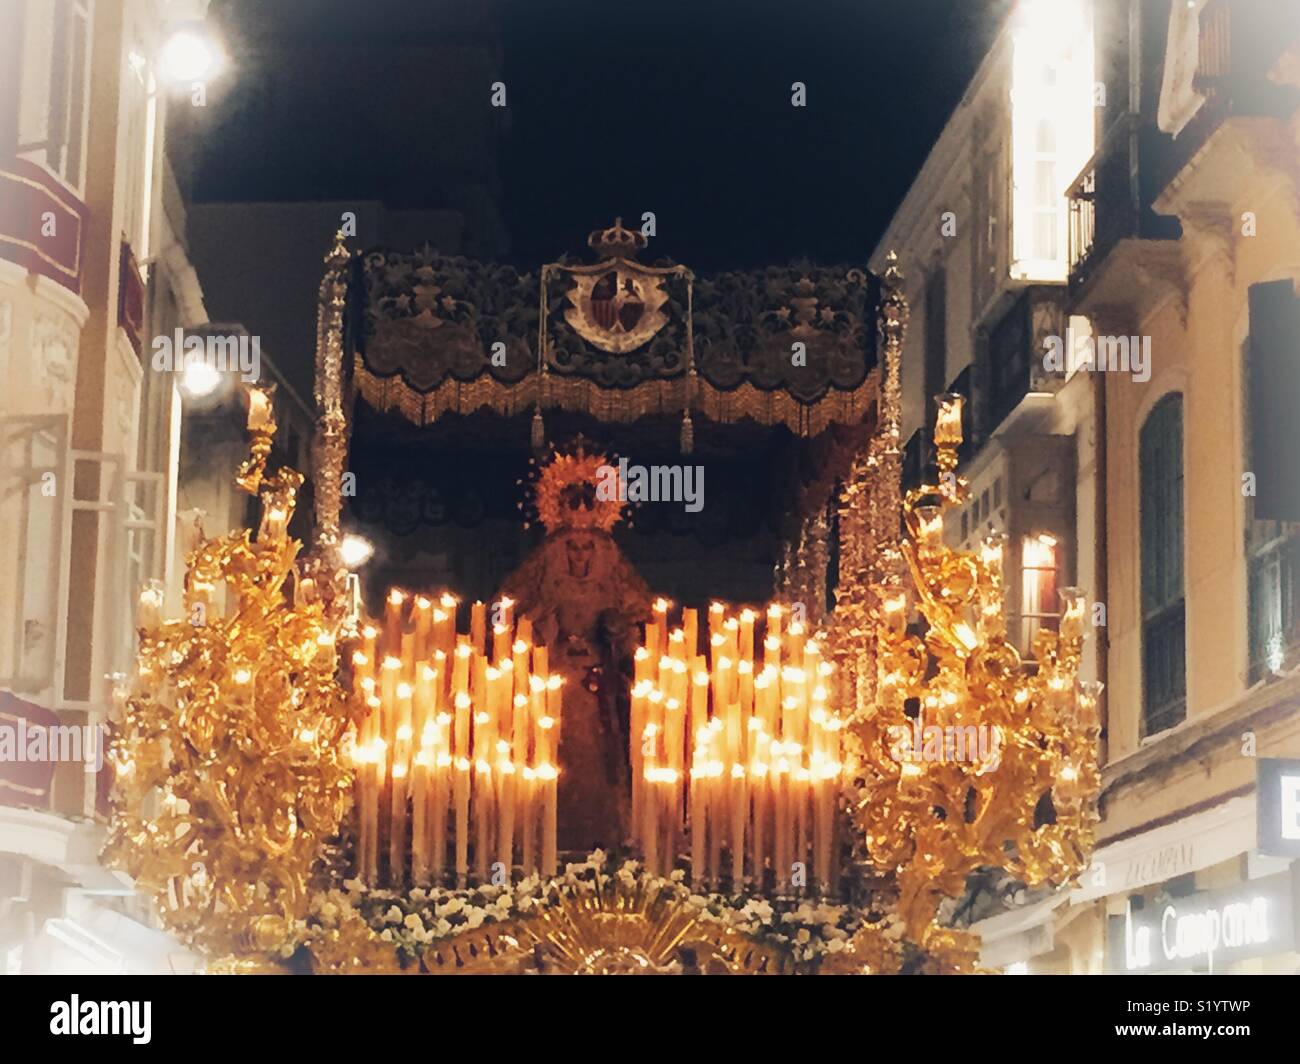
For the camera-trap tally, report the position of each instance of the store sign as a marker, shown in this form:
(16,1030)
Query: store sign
(1206,930)
(1277,791)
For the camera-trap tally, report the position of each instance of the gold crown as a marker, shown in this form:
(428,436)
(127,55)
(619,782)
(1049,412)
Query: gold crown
(616,242)
(569,495)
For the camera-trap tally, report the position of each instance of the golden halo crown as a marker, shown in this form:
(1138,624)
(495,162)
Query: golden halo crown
(570,495)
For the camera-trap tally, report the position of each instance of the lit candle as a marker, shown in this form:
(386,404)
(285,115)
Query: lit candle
(739,813)
(547,776)
(261,414)
(393,621)
(478,626)
(947,425)
(461,798)
(505,808)
(527,827)
(438,814)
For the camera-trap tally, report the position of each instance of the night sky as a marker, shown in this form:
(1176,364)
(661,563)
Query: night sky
(681,107)
(687,113)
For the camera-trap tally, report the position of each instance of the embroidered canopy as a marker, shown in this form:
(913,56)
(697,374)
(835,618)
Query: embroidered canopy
(430,334)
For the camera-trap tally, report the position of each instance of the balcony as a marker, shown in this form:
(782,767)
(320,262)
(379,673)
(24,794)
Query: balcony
(1241,46)
(1111,214)
(1012,363)
(1233,125)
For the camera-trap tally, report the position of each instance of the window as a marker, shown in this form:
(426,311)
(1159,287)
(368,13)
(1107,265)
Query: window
(1052,117)
(52,112)
(140,117)
(1272,370)
(1164,673)
(1039,572)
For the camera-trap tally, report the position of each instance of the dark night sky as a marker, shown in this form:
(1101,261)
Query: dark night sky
(681,107)
(684,109)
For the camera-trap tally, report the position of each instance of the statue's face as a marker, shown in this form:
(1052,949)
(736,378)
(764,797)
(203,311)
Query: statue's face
(579,550)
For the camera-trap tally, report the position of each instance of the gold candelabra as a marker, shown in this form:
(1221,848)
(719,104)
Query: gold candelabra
(228,747)
(969,757)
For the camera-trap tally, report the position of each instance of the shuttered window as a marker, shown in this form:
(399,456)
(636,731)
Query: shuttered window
(1163,608)
(1272,357)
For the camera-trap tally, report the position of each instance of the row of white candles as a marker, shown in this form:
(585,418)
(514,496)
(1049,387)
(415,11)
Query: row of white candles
(737,746)
(462,736)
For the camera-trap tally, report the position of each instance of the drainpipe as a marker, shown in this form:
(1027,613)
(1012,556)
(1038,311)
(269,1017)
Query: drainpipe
(1102,567)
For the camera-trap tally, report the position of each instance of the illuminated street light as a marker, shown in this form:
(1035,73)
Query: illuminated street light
(355,550)
(199,379)
(189,55)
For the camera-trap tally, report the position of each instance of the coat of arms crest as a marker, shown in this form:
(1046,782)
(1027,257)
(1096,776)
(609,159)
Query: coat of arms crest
(617,304)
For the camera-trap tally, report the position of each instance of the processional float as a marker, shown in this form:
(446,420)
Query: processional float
(298,783)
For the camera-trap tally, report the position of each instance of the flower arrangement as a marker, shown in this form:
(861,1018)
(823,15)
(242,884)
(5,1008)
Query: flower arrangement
(802,931)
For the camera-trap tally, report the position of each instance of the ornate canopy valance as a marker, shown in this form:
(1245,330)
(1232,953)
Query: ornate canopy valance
(433,334)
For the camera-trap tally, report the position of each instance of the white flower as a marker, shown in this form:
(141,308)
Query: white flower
(474,918)
(451,908)
(836,945)
(803,936)
(413,922)
(393,915)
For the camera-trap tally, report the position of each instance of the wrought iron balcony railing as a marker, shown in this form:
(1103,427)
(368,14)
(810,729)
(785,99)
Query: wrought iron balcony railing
(1111,198)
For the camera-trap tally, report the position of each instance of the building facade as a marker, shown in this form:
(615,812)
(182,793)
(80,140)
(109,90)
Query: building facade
(1102,255)
(1185,238)
(93,265)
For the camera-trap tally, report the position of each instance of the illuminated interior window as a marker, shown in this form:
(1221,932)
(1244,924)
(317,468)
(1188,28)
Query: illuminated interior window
(1039,573)
(1051,129)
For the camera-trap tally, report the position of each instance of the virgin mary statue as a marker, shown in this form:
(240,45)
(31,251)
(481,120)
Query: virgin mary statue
(585,601)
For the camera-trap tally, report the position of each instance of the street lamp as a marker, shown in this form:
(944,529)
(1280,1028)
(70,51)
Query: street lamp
(190,54)
(199,379)
(355,550)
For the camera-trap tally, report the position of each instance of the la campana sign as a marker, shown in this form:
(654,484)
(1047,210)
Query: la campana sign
(1208,929)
